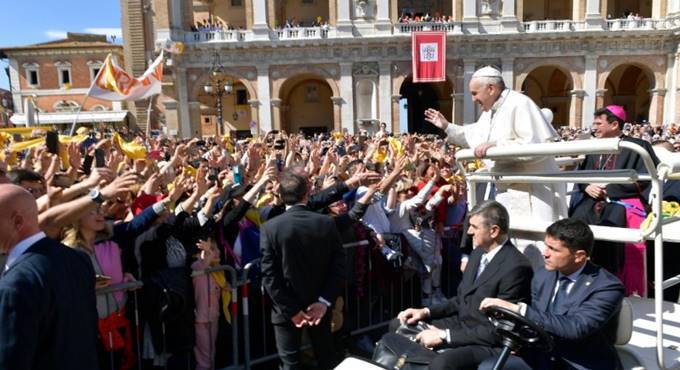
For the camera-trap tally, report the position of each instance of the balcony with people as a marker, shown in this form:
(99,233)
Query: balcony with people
(236,20)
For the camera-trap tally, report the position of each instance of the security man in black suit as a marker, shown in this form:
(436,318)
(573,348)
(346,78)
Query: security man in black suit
(302,267)
(495,267)
(48,312)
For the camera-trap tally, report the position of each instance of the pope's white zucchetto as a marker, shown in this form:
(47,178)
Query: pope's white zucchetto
(487,71)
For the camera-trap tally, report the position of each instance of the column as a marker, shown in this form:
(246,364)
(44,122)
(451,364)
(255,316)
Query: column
(599,98)
(508,71)
(260,27)
(468,105)
(184,127)
(394,11)
(509,21)
(578,10)
(576,108)
(264,95)
(458,101)
(590,87)
(338,101)
(519,10)
(332,13)
(659,8)
(385,92)
(671,96)
(396,118)
(254,117)
(171,117)
(347,97)
(382,19)
(195,119)
(276,111)
(594,18)
(344,23)
(457,10)
(656,106)
(470,20)
(249,14)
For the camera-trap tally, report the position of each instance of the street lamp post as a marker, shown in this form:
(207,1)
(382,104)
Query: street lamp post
(218,86)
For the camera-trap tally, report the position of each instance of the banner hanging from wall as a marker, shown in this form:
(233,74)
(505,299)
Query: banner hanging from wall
(428,51)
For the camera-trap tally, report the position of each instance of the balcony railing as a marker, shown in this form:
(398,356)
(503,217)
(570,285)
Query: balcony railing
(297,33)
(215,36)
(545,26)
(553,26)
(635,24)
(426,26)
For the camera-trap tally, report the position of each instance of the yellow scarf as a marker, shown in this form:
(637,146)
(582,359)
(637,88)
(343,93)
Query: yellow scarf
(221,281)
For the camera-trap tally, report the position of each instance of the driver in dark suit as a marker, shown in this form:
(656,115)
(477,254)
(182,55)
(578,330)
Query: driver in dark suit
(495,268)
(574,300)
(48,313)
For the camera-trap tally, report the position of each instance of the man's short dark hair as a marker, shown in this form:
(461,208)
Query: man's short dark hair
(573,233)
(293,187)
(611,117)
(493,213)
(19,175)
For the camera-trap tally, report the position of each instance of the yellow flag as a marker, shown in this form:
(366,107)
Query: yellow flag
(131,150)
(396,146)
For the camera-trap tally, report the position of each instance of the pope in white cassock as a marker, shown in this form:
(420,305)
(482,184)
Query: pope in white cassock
(509,118)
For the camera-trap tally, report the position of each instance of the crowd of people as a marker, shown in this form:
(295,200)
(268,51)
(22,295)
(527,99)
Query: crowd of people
(416,18)
(156,209)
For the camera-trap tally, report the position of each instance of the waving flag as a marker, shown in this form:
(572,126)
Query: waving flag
(429,56)
(113,83)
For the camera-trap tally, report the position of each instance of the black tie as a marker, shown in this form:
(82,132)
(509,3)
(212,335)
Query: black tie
(560,302)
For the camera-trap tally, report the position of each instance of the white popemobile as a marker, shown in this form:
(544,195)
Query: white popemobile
(648,335)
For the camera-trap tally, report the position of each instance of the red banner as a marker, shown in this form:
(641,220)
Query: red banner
(429,56)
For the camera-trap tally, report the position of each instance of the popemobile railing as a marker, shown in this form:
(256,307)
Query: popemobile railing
(655,175)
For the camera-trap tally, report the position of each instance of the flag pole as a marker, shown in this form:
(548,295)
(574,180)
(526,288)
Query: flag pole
(87,95)
(148,115)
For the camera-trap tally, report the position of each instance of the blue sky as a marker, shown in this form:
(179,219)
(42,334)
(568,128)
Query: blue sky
(31,21)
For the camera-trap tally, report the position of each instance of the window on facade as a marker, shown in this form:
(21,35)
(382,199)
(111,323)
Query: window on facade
(95,72)
(33,78)
(241,97)
(236,2)
(308,1)
(366,100)
(66,106)
(65,76)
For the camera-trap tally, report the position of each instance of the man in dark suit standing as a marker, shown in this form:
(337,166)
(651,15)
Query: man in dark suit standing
(495,267)
(47,297)
(302,267)
(574,300)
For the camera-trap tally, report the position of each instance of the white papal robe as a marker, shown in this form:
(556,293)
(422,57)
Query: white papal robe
(516,120)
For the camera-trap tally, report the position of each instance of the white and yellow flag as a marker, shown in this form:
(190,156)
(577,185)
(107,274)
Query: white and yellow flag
(113,83)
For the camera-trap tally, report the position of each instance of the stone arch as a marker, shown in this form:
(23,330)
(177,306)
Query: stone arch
(307,104)
(281,76)
(437,95)
(629,85)
(235,74)
(563,66)
(655,75)
(550,87)
(235,117)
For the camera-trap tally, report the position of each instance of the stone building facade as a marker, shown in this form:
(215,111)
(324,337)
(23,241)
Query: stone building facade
(53,78)
(346,64)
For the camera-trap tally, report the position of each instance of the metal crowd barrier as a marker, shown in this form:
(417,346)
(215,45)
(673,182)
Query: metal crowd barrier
(378,304)
(131,286)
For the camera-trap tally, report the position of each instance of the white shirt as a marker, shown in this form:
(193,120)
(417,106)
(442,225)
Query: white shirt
(20,248)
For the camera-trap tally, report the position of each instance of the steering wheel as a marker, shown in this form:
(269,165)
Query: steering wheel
(517,331)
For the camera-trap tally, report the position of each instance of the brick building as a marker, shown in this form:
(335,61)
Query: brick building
(52,79)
